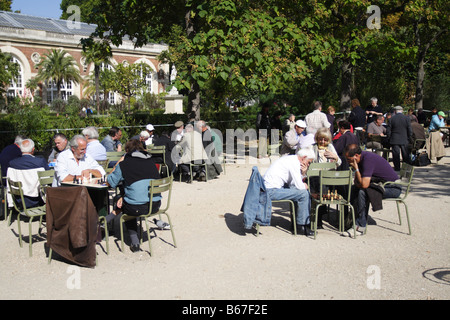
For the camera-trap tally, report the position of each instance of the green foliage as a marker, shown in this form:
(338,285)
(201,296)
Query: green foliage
(8,71)
(57,65)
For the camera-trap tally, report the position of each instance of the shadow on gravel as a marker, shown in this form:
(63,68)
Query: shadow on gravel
(431,181)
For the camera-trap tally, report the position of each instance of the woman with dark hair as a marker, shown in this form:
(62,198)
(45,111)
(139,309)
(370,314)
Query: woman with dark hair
(134,171)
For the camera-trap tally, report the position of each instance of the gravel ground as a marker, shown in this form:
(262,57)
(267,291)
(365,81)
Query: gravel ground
(217,259)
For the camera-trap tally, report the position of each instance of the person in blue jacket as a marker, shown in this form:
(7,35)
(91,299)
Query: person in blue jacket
(135,170)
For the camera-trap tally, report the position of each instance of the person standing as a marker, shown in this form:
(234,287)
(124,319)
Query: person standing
(399,133)
(316,119)
(263,129)
(330,117)
(357,119)
(373,110)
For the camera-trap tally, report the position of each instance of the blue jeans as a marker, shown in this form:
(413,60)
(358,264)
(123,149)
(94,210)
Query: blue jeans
(361,202)
(300,198)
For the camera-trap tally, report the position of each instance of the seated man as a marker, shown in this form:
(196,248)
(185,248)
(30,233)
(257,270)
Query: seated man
(375,133)
(142,137)
(24,169)
(94,148)
(284,181)
(61,144)
(370,169)
(112,141)
(135,172)
(75,163)
(291,139)
(192,152)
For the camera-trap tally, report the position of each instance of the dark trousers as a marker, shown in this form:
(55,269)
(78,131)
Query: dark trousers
(360,202)
(396,150)
(137,210)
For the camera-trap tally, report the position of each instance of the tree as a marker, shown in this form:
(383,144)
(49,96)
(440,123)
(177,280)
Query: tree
(84,6)
(429,21)
(5,5)
(129,80)
(8,71)
(96,52)
(234,45)
(59,66)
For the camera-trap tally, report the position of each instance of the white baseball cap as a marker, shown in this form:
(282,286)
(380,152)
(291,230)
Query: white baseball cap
(300,123)
(150,127)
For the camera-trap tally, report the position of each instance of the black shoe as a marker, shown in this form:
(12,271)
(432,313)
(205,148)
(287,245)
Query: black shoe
(304,230)
(135,248)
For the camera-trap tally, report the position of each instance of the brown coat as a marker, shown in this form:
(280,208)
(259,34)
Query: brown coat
(72,224)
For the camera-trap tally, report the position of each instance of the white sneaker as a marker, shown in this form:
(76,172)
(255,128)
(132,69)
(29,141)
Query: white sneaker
(359,231)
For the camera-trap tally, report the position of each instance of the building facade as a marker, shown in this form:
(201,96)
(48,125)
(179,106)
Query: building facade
(27,38)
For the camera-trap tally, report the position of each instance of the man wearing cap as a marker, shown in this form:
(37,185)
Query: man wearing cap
(152,137)
(178,134)
(399,133)
(291,139)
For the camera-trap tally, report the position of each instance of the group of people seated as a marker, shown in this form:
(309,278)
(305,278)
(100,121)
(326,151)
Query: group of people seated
(81,157)
(312,140)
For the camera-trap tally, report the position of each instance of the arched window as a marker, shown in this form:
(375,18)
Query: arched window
(16,85)
(52,91)
(148,80)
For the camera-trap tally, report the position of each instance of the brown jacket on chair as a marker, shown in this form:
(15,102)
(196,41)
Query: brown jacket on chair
(72,224)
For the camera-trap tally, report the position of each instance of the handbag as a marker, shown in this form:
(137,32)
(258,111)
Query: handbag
(422,160)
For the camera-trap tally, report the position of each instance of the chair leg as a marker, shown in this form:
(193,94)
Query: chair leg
(294,221)
(407,215)
(20,230)
(148,236)
(171,230)
(50,255)
(315,220)
(407,218)
(398,212)
(121,234)
(30,239)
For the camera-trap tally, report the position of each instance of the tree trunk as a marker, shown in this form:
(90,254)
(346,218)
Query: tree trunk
(419,82)
(97,87)
(194,92)
(346,85)
(194,102)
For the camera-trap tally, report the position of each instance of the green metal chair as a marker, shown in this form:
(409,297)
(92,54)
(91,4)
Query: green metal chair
(159,151)
(291,212)
(315,168)
(157,186)
(45,181)
(103,163)
(15,188)
(113,156)
(331,178)
(406,176)
(4,198)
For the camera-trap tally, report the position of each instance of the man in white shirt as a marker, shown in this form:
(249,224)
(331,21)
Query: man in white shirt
(94,148)
(316,119)
(284,181)
(75,163)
